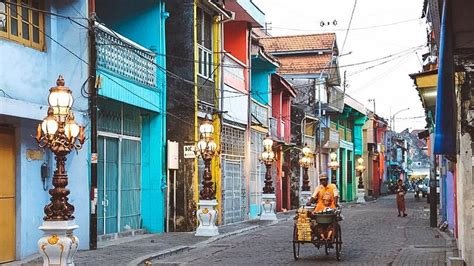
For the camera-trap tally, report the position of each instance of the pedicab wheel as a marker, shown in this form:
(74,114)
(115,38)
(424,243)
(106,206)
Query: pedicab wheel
(326,248)
(296,244)
(296,250)
(338,243)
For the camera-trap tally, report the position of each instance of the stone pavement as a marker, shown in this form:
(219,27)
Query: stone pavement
(372,234)
(133,250)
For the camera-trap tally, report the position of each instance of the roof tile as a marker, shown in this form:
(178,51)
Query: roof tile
(308,42)
(306,64)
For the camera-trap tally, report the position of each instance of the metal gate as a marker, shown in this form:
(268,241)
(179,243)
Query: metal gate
(119,179)
(119,168)
(234,183)
(233,189)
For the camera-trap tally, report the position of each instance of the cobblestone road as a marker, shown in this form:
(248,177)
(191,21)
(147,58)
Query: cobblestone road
(372,235)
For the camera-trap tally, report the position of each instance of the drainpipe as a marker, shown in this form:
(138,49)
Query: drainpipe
(249,117)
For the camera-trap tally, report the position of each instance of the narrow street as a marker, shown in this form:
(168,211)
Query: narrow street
(372,235)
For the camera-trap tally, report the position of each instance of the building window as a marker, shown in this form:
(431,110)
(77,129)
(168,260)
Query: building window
(204,43)
(18,22)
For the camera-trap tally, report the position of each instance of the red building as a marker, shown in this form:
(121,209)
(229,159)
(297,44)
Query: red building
(374,151)
(280,127)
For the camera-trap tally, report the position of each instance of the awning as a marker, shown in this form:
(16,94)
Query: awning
(445,125)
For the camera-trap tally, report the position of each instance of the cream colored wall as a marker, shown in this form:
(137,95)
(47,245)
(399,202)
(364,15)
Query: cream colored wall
(464,188)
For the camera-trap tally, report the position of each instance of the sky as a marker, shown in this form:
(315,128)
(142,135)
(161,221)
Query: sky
(379,29)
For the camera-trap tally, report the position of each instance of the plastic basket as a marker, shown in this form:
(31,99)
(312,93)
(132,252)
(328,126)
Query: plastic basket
(325,218)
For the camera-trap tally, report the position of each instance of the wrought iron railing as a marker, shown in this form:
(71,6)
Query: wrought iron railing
(259,114)
(125,57)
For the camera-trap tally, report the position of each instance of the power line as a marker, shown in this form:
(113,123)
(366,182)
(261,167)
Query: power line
(107,76)
(354,29)
(349,26)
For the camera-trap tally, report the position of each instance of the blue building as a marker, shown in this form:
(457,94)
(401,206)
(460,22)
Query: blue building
(31,59)
(132,116)
(263,66)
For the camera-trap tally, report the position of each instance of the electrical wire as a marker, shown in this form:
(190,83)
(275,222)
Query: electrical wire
(172,74)
(111,79)
(353,29)
(349,26)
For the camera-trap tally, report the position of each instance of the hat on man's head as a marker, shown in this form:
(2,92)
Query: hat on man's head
(323,176)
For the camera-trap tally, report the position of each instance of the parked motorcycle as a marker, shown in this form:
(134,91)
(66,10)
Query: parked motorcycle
(420,189)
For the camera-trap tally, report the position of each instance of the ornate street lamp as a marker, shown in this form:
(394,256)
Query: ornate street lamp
(306,161)
(333,165)
(360,168)
(268,198)
(206,149)
(61,134)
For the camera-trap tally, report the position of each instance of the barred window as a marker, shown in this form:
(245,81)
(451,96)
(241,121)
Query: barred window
(20,23)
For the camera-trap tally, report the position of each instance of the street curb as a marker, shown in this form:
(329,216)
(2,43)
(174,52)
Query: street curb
(141,260)
(451,247)
(161,254)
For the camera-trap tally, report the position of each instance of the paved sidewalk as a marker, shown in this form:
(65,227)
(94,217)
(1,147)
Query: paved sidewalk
(134,250)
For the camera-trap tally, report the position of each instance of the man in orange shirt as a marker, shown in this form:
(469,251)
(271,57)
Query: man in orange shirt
(322,189)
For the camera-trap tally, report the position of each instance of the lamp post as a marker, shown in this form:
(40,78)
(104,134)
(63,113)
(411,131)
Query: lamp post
(360,168)
(305,163)
(268,198)
(333,165)
(392,120)
(206,214)
(61,134)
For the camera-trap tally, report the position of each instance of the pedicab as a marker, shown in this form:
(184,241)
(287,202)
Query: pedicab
(309,228)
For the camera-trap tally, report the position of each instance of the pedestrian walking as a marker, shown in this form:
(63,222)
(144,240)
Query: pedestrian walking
(401,190)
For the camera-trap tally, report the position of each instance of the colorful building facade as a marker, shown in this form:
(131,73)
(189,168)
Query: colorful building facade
(31,62)
(131,64)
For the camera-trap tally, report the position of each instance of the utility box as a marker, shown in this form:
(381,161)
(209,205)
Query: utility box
(173,155)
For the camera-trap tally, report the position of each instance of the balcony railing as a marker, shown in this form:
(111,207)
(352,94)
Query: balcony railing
(125,57)
(273,127)
(260,113)
(206,66)
(234,72)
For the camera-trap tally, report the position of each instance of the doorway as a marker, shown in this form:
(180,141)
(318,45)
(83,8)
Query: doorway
(119,179)
(7,195)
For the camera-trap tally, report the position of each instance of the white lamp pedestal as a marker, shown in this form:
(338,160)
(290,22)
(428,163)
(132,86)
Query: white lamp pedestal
(360,195)
(268,207)
(207,217)
(58,245)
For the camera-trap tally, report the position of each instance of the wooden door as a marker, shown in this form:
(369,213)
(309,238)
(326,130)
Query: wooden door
(7,195)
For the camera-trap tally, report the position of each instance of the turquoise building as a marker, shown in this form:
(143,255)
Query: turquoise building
(131,64)
(349,124)
(263,66)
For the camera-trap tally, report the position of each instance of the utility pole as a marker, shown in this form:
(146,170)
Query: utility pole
(373,100)
(319,127)
(433,197)
(93,116)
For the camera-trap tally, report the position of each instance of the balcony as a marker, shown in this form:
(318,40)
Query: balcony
(125,58)
(259,114)
(335,102)
(274,128)
(234,73)
(275,132)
